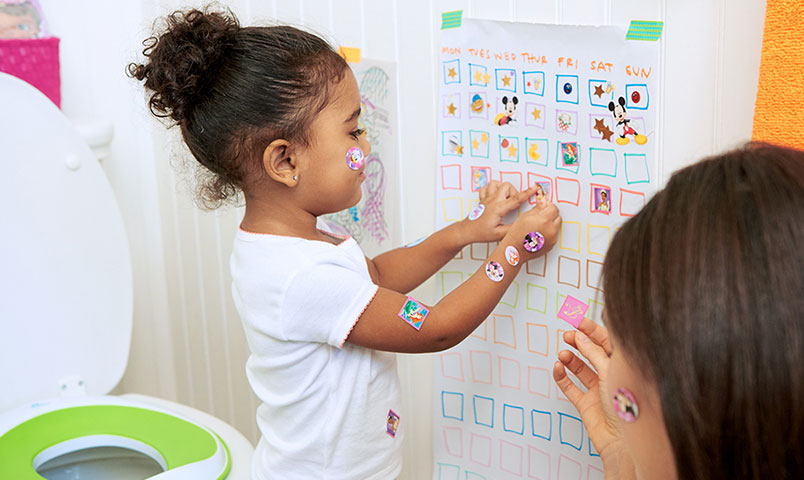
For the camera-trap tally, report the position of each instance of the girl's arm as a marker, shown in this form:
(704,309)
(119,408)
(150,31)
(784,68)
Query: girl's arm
(404,269)
(458,314)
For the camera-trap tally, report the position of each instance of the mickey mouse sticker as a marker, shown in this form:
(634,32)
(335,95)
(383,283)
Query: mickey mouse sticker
(509,108)
(622,124)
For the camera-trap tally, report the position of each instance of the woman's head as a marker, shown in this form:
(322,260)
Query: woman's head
(704,292)
(233,90)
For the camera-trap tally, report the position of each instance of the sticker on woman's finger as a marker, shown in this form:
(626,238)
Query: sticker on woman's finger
(512,255)
(414,313)
(625,405)
(495,271)
(534,241)
(477,212)
(354,158)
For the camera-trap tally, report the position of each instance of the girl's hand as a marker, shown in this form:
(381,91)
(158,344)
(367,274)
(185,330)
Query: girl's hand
(592,341)
(543,218)
(498,199)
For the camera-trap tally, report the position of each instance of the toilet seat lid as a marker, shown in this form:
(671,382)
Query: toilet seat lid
(66,288)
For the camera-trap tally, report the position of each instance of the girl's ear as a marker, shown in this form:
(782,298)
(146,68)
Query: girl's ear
(279,163)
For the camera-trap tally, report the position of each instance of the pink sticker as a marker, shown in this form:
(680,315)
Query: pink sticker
(392,423)
(354,158)
(625,405)
(414,313)
(572,311)
(494,271)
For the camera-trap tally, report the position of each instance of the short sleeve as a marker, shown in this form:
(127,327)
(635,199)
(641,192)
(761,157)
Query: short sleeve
(324,300)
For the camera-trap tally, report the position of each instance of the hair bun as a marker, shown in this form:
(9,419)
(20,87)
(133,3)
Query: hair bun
(181,59)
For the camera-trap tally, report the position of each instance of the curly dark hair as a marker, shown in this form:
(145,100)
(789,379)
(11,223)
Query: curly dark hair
(233,90)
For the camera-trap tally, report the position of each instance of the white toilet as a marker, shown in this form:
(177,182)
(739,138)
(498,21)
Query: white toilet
(66,318)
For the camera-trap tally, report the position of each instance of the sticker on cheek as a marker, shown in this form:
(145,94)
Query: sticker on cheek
(534,241)
(572,311)
(494,271)
(413,313)
(354,158)
(392,423)
(625,405)
(512,255)
(477,212)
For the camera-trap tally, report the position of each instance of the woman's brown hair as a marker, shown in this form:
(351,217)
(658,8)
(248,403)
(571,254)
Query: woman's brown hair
(704,292)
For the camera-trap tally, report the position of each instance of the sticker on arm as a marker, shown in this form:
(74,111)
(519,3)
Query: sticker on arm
(413,313)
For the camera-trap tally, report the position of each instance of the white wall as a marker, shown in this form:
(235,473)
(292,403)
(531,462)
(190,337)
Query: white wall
(188,344)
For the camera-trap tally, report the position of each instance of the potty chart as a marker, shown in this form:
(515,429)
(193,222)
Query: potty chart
(574,110)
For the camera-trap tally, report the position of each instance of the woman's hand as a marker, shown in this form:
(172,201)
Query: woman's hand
(498,199)
(592,341)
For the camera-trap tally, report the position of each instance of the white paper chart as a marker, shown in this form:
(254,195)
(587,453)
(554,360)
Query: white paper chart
(573,109)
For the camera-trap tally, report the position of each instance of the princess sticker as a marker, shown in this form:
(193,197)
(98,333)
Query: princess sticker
(477,212)
(392,423)
(413,313)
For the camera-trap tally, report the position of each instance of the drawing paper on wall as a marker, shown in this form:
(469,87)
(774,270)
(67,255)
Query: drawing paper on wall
(572,109)
(374,221)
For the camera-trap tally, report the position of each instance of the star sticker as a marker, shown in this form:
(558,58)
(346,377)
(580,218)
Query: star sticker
(599,125)
(506,81)
(537,114)
(607,133)
(512,151)
(459,149)
(484,137)
(532,151)
(478,76)
(451,109)
(486,78)
(475,144)
(451,73)
(599,91)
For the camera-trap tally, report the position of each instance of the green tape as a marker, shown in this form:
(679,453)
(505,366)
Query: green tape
(451,19)
(644,30)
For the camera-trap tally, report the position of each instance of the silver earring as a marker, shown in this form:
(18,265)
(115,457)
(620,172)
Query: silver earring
(295,178)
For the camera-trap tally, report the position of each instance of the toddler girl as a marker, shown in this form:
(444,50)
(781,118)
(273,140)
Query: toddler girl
(273,113)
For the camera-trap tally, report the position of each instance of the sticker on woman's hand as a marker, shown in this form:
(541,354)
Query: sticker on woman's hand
(413,313)
(534,241)
(494,271)
(354,158)
(477,212)
(512,255)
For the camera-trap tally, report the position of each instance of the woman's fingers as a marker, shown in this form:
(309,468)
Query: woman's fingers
(579,368)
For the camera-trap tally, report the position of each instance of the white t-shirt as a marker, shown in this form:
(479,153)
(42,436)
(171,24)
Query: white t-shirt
(325,404)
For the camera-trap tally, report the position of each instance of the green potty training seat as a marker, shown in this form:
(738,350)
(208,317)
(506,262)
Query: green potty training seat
(184,449)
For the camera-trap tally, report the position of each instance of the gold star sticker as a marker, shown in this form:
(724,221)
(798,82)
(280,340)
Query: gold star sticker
(599,91)
(475,144)
(532,151)
(451,109)
(506,81)
(451,73)
(512,151)
(484,137)
(537,114)
(478,76)
(486,78)
(459,149)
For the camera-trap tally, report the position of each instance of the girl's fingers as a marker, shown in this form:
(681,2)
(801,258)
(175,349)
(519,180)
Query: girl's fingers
(579,368)
(572,392)
(597,333)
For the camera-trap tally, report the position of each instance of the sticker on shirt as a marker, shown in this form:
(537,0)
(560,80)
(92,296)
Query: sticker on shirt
(477,212)
(495,271)
(392,423)
(512,255)
(414,313)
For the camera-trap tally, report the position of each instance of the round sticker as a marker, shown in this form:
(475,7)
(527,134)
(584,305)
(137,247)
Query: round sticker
(625,405)
(354,158)
(477,212)
(495,271)
(511,255)
(534,241)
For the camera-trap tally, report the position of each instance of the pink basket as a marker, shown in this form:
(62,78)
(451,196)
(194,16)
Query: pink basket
(36,61)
